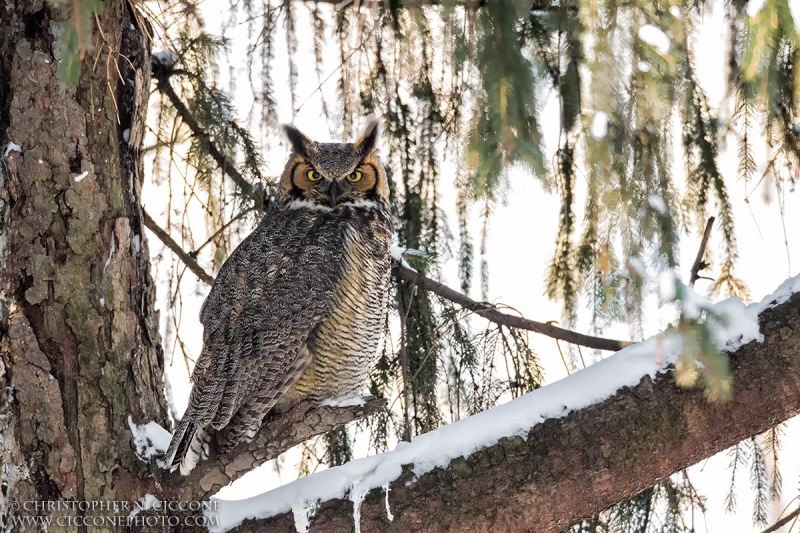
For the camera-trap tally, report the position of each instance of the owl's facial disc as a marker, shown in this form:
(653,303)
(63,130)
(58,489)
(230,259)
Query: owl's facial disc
(330,174)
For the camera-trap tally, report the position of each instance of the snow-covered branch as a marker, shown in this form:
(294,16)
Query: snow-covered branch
(560,453)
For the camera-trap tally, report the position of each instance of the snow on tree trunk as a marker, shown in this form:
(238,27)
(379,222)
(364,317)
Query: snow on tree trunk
(79,343)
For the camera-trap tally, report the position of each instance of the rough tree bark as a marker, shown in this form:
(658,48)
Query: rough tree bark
(571,468)
(278,434)
(79,343)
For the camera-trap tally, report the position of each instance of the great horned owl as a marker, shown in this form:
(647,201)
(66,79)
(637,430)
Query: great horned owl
(296,311)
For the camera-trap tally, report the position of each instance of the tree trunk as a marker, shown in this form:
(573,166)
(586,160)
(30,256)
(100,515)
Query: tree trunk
(79,345)
(570,468)
(80,350)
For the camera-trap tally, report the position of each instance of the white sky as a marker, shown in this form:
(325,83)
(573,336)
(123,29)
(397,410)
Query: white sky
(522,241)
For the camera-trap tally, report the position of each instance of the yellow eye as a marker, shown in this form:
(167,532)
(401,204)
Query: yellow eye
(355,177)
(313,175)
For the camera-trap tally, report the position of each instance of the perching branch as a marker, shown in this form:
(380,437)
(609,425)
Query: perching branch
(492,314)
(279,433)
(699,264)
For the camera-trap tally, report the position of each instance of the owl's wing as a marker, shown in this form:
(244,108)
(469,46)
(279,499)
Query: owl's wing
(270,294)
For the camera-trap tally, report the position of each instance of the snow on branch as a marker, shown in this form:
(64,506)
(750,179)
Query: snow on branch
(618,427)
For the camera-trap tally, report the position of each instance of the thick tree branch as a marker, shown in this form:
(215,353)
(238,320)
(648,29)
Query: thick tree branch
(571,468)
(278,434)
(492,314)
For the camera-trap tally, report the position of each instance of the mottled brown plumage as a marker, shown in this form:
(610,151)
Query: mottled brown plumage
(296,311)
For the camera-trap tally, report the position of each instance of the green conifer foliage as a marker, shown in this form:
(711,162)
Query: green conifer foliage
(75,35)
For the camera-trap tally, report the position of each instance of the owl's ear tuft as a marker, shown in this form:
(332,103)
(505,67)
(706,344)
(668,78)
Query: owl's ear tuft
(369,138)
(300,143)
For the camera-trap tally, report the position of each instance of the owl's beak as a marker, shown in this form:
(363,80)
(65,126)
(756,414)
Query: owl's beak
(334,192)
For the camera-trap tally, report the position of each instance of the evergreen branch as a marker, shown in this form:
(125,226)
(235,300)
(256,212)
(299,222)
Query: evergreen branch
(758,482)
(164,87)
(773,443)
(699,264)
(187,259)
(730,498)
(492,314)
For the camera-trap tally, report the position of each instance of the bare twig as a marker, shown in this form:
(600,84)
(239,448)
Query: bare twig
(217,233)
(783,521)
(563,359)
(492,314)
(188,260)
(699,264)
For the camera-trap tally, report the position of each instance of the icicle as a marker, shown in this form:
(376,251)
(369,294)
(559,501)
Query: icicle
(389,514)
(302,516)
(357,497)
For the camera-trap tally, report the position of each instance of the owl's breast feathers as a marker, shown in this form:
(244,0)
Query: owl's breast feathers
(270,294)
(344,344)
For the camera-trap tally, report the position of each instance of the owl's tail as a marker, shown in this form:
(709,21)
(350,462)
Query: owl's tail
(189,445)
